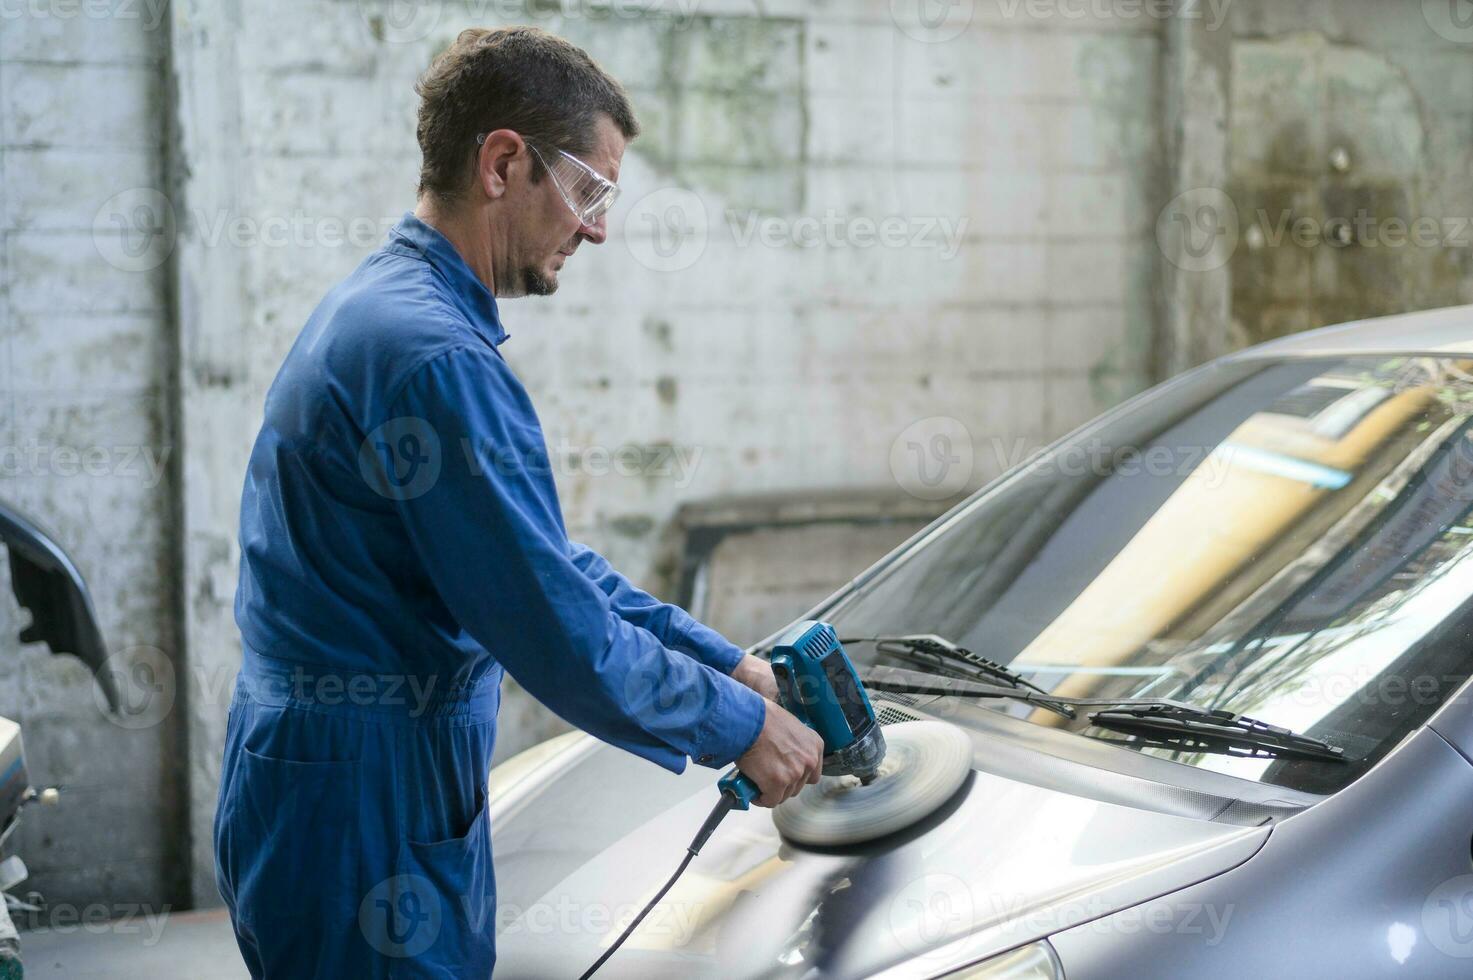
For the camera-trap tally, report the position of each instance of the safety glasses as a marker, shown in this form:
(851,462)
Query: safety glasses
(586,191)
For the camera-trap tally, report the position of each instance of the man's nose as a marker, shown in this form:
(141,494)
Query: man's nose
(598,232)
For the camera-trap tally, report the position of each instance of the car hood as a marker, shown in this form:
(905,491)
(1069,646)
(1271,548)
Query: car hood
(1002,864)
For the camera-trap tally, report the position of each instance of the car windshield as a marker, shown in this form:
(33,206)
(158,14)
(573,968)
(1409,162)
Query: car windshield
(1286,539)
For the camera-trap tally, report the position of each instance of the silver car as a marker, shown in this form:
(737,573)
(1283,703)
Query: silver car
(1282,536)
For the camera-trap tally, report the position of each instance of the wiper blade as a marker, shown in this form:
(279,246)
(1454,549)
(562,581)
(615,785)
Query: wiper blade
(928,648)
(898,680)
(1159,720)
(1188,726)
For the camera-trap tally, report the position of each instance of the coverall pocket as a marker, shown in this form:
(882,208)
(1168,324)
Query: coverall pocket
(289,842)
(457,873)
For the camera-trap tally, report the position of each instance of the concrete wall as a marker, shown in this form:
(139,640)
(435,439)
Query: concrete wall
(1353,122)
(857,249)
(87,440)
(1319,154)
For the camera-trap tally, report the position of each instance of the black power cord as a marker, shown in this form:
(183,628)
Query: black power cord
(722,808)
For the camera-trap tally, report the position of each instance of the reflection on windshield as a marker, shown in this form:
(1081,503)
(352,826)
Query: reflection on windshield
(1288,540)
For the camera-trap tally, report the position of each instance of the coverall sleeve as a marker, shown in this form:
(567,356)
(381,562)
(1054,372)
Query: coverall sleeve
(675,627)
(489,532)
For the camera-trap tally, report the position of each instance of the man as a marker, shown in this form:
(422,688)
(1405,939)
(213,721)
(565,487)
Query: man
(402,544)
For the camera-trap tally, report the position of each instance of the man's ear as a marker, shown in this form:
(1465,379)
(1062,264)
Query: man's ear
(502,149)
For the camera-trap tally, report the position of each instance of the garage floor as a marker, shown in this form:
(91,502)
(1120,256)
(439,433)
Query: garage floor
(188,946)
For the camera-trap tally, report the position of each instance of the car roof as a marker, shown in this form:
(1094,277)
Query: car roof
(1448,330)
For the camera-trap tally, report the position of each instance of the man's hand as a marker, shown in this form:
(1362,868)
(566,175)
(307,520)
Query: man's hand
(787,756)
(756,673)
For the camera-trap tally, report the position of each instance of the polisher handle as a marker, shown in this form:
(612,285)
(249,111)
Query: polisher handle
(739,787)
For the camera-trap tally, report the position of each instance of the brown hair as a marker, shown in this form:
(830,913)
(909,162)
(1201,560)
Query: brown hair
(519,78)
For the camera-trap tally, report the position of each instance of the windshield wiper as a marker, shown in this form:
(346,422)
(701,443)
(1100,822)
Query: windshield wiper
(898,680)
(1160,721)
(938,651)
(1188,726)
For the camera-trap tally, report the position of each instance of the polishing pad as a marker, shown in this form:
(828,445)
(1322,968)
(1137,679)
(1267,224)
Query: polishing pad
(925,763)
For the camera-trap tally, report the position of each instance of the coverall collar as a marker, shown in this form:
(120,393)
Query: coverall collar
(411,236)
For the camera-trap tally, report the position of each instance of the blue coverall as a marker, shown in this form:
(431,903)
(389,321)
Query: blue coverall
(402,543)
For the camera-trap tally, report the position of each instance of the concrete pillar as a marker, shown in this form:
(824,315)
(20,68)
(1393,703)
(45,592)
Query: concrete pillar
(1197,229)
(215,402)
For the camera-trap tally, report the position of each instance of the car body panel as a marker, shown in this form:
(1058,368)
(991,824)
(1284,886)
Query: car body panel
(47,583)
(1443,331)
(1003,863)
(1454,721)
(1373,882)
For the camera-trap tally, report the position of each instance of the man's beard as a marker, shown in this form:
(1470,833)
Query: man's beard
(536,284)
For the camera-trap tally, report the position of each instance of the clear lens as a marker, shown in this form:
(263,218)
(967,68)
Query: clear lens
(588,193)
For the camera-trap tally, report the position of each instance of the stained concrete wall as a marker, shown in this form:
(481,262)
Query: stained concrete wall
(857,248)
(87,441)
(1319,154)
(1351,148)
